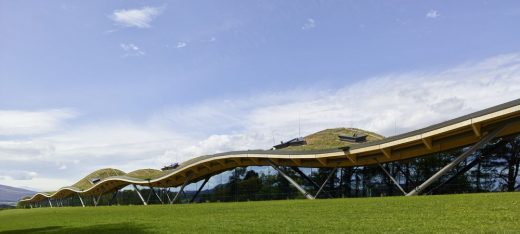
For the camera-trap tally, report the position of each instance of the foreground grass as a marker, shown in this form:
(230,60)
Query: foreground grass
(471,213)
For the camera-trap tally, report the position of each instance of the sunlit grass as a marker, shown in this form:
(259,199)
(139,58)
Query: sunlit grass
(492,212)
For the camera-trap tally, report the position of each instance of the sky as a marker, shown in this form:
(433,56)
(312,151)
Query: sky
(86,85)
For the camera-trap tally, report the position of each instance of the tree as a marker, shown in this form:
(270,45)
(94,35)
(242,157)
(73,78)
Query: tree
(505,156)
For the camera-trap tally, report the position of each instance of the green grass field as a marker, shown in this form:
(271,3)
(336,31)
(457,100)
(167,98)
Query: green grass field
(470,213)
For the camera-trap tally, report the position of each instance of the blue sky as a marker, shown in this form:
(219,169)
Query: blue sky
(119,81)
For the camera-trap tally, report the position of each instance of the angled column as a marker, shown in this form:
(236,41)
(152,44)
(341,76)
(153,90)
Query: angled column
(182,189)
(168,196)
(391,178)
(50,203)
(96,201)
(149,196)
(139,194)
(325,182)
(462,171)
(457,160)
(114,197)
(152,191)
(302,190)
(305,177)
(81,200)
(200,189)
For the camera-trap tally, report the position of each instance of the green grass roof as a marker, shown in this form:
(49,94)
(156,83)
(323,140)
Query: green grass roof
(328,139)
(101,173)
(146,174)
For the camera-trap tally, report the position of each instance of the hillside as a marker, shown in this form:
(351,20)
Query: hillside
(10,195)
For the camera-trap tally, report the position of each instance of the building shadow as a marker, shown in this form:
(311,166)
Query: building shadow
(96,229)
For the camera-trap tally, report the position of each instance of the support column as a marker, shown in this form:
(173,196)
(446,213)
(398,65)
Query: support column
(50,203)
(99,198)
(81,200)
(200,189)
(305,177)
(327,180)
(391,177)
(152,190)
(182,189)
(149,196)
(419,189)
(302,190)
(462,171)
(168,196)
(139,194)
(114,197)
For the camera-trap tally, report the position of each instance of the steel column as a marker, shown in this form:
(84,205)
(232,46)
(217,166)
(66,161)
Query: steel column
(96,201)
(139,194)
(302,190)
(200,189)
(462,171)
(81,200)
(182,189)
(152,190)
(168,195)
(305,177)
(326,180)
(391,177)
(455,162)
(114,197)
(149,196)
(50,203)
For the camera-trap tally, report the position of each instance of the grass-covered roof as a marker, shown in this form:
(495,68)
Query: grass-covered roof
(328,139)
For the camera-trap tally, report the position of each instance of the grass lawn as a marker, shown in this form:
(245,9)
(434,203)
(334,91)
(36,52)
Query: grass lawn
(470,213)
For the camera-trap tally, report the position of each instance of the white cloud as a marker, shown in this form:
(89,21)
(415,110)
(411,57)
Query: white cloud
(181,44)
(432,14)
(131,50)
(17,175)
(20,122)
(139,18)
(410,100)
(310,24)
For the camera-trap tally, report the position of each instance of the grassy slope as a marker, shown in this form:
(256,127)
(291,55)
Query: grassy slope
(471,213)
(101,173)
(328,139)
(146,173)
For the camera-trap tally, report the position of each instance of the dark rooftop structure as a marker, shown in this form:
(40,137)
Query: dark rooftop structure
(353,137)
(293,142)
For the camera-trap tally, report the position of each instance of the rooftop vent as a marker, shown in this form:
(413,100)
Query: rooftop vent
(170,167)
(95,180)
(294,142)
(357,138)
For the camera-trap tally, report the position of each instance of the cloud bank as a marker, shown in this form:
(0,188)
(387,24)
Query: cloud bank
(388,104)
(19,122)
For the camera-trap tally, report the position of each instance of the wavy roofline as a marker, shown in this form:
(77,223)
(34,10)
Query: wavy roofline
(447,135)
